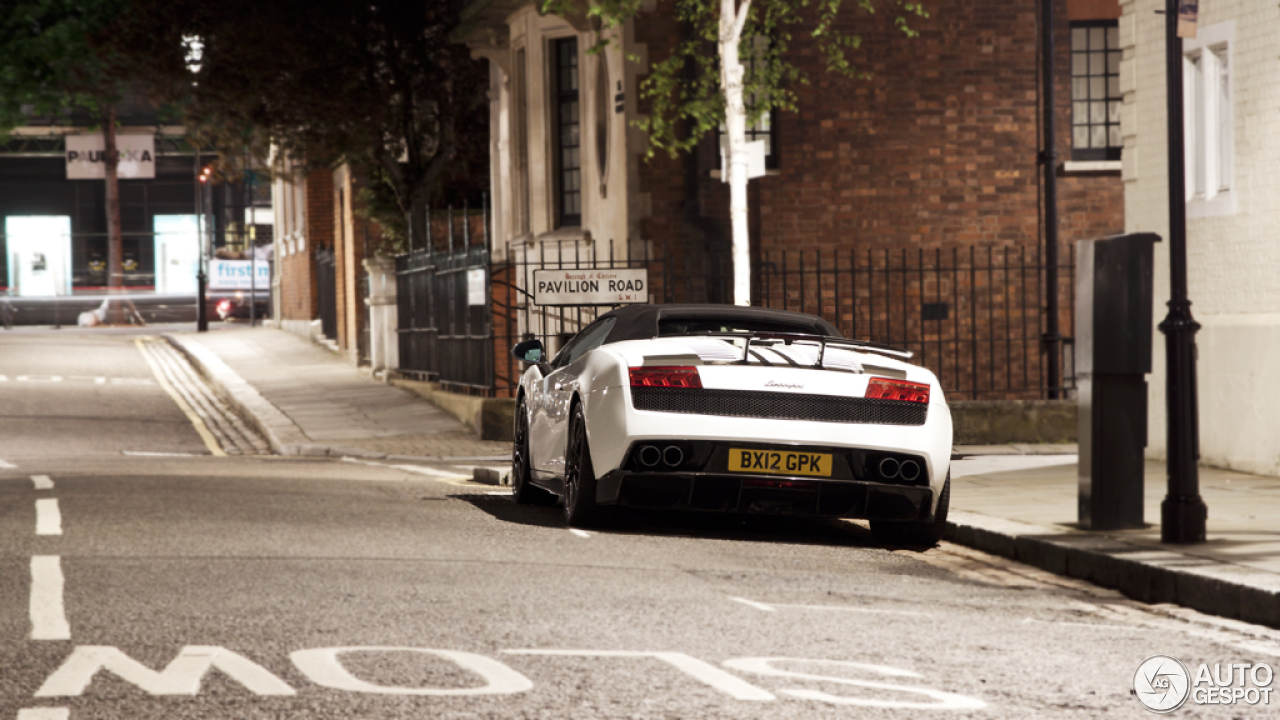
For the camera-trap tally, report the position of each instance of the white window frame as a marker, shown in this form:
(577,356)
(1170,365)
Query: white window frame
(1208,69)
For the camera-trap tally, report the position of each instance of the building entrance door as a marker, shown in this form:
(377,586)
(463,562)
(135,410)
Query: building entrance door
(177,254)
(39,250)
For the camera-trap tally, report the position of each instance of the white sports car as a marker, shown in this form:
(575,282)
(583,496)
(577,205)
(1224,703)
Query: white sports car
(731,409)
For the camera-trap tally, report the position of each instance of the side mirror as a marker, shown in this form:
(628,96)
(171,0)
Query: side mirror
(529,351)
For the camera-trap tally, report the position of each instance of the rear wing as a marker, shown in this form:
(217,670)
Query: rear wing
(771,338)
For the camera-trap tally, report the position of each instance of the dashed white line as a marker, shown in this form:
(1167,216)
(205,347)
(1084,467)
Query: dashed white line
(48,618)
(446,476)
(44,714)
(771,607)
(580,533)
(42,482)
(754,604)
(140,453)
(7,465)
(48,517)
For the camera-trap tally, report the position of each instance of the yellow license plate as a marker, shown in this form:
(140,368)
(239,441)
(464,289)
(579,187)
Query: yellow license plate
(779,462)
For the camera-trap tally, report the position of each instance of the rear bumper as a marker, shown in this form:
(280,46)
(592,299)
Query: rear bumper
(764,495)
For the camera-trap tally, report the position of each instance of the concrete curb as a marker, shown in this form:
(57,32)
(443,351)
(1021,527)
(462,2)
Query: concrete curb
(284,437)
(488,418)
(1150,574)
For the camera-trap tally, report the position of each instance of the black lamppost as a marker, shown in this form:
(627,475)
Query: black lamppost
(1183,513)
(202,277)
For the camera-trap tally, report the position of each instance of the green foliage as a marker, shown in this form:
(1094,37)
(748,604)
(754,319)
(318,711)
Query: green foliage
(58,56)
(377,84)
(684,88)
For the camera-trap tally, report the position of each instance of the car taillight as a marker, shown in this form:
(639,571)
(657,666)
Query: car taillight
(665,377)
(884,389)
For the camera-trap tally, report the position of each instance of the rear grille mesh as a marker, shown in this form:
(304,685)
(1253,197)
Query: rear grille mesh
(781,406)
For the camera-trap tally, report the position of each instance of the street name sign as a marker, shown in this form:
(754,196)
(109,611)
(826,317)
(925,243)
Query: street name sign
(586,286)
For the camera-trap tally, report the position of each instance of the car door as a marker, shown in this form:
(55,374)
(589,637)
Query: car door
(557,390)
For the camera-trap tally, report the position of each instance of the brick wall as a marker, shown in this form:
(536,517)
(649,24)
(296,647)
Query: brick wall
(298,278)
(938,149)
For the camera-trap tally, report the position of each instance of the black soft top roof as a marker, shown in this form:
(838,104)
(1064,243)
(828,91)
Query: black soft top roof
(640,322)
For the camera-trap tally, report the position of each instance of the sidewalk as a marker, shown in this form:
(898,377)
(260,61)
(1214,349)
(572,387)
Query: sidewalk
(307,401)
(1017,501)
(1025,508)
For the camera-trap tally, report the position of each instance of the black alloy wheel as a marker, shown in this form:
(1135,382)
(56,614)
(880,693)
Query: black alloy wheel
(926,533)
(523,491)
(580,509)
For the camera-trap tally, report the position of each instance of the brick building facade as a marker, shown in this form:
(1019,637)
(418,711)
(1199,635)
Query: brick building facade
(1232,125)
(938,152)
(304,222)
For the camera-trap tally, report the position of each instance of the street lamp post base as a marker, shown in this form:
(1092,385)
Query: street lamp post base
(1182,519)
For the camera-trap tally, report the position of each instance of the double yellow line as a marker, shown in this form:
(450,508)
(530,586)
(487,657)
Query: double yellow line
(198,422)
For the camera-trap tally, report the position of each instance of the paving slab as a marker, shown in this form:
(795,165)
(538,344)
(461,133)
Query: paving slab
(307,400)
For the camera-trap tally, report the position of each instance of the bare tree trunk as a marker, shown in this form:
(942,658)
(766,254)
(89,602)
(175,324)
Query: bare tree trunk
(111,163)
(732,20)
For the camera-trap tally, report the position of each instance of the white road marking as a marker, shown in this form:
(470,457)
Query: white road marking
(506,493)
(580,533)
(44,714)
(943,700)
(48,618)
(700,670)
(754,604)
(48,517)
(771,607)
(42,482)
(39,378)
(181,677)
(7,465)
(322,667)
(450,477)
(140,453)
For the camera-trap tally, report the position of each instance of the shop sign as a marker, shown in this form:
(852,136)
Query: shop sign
(86,157)
(235,274)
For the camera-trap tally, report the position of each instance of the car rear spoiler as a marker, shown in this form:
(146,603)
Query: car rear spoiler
(822,340)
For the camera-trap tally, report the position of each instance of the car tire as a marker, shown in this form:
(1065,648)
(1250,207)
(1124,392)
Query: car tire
(926,533)
(522,490)
(580,509)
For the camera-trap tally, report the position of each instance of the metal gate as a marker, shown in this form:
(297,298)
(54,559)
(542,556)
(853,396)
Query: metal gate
(445,330)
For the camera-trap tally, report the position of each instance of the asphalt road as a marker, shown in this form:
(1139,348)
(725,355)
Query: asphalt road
(190,586)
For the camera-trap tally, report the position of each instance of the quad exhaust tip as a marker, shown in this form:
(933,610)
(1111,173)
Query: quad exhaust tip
(889,468)
(672,455)
(909,470)
(650,455)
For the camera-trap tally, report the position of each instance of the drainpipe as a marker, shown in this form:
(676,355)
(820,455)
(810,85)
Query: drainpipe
(1051,340)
